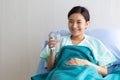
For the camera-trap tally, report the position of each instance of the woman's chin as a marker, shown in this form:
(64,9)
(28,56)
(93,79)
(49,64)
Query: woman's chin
(75,35)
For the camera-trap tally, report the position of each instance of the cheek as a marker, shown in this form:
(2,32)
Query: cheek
(69,25)
(82,26)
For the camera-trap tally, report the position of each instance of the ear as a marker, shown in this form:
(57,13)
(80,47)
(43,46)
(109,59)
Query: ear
(87,24)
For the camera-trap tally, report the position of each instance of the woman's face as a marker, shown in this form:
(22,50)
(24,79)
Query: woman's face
(77,24)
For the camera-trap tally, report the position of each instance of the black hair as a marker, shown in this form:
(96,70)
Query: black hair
(81,10)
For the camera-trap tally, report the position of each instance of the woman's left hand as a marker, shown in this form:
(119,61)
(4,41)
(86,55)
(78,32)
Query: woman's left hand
(77,62)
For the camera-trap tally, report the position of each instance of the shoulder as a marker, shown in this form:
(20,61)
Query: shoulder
(94,43)
(100,51)
(65,41)
(65,38)
(93,40)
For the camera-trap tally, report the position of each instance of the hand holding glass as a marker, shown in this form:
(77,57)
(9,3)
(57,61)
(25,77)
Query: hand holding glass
(55,41)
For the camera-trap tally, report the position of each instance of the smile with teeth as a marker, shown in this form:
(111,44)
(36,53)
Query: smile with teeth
(75,30)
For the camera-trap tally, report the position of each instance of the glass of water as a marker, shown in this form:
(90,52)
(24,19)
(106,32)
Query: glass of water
(56,36)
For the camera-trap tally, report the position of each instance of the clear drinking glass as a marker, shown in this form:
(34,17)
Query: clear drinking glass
(56,36)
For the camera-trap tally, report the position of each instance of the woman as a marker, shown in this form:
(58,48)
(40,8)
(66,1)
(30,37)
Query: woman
(78,22)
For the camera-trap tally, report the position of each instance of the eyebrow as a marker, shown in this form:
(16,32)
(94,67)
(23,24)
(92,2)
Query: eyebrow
(72,20)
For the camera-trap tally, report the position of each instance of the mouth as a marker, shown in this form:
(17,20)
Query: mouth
(75,30)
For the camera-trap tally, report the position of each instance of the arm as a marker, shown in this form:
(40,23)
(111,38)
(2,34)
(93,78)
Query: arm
(51,61)
(51,58)
(101,69)
(76,61)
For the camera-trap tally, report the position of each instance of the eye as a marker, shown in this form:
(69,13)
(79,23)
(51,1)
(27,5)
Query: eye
(78,22)
(70,21)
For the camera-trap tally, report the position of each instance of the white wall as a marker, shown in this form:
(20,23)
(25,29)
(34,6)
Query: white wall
(14,56)
(104,13)
(24,25)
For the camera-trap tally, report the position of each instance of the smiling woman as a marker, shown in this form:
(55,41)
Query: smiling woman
(78,22)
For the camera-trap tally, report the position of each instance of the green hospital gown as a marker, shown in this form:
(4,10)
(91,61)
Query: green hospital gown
(102,55)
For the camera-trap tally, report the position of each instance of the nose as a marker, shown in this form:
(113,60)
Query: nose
(74,25)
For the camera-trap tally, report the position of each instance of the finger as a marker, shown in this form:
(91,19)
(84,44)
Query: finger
(68,63)
(71,64)
(51,45)
(50,40)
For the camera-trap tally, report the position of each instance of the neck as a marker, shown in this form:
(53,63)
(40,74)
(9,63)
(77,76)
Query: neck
(77,39)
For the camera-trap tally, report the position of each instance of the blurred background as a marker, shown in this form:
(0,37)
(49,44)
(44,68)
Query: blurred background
(25,24)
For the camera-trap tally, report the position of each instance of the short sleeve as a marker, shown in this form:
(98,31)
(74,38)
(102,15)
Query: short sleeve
(105,56)
(45,53)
